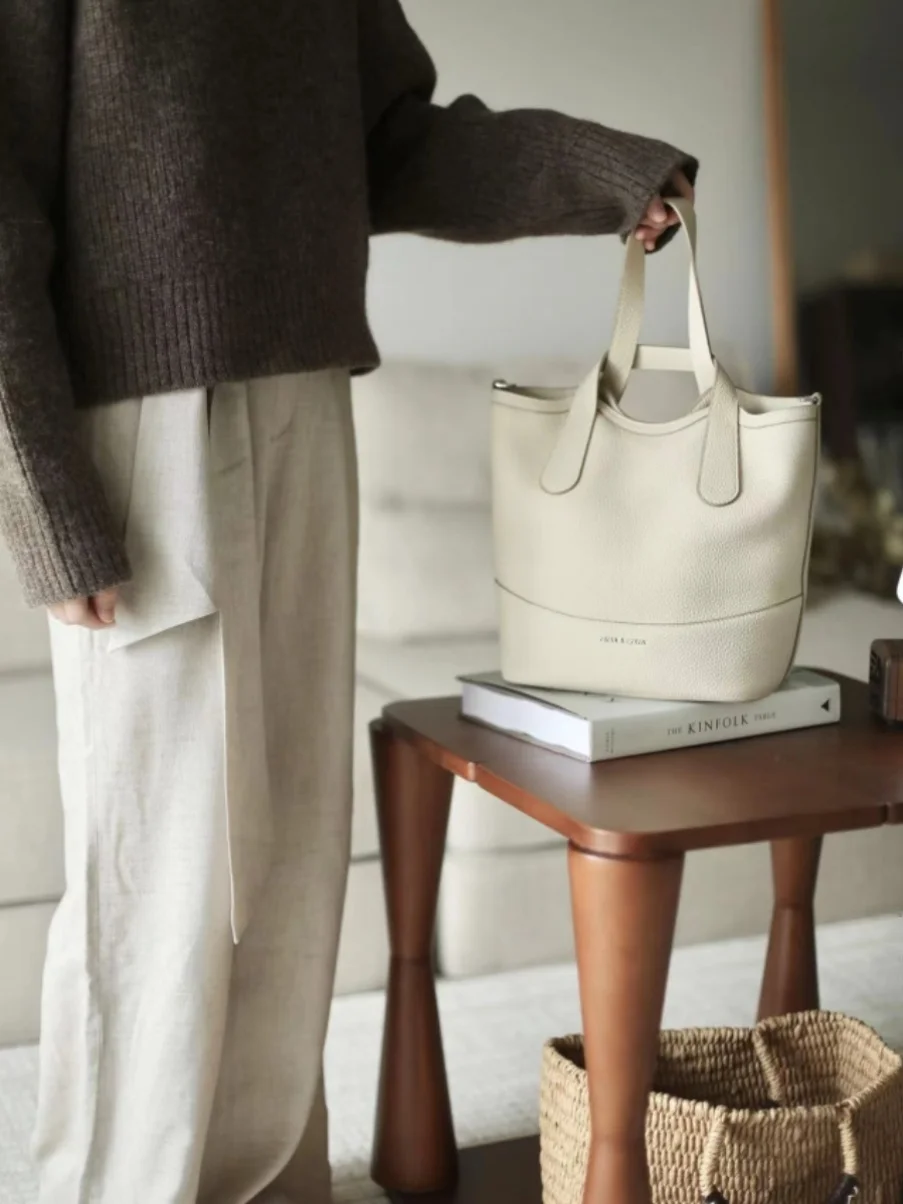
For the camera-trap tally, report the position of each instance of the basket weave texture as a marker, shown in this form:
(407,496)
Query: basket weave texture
(771,1115)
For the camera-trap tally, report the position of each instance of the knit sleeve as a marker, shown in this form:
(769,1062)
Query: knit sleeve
(468,174)
(53,512)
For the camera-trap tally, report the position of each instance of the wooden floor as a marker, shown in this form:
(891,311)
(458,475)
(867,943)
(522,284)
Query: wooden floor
(507,1173)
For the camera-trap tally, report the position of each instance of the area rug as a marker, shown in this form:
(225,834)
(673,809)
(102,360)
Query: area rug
(494,1030)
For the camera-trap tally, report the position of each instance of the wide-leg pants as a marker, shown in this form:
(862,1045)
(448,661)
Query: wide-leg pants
(205,751)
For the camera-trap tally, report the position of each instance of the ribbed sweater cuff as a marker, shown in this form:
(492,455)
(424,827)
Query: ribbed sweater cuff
(635,168)
(64,544)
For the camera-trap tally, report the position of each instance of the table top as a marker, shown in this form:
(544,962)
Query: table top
(836,778)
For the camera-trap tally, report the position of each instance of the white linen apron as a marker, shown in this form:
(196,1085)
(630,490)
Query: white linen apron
(205,763)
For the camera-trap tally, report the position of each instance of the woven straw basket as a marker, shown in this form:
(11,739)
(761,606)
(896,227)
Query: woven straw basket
(800,1110)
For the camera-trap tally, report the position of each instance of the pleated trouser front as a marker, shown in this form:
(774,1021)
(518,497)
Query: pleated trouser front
(205,753)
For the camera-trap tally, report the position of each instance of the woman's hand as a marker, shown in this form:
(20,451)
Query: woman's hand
(96,612)
(658,217)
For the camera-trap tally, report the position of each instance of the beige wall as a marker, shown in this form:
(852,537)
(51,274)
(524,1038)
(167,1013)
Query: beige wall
(687,72)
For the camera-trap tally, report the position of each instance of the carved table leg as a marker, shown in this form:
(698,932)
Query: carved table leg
(791,968)
(414,1149)
(624,916)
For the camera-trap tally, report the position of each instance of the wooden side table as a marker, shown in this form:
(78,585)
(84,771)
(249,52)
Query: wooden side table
(629,825)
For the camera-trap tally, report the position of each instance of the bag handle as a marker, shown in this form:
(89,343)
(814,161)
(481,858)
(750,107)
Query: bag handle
(719,481)
(719,473)
(849,1185)
(624,351)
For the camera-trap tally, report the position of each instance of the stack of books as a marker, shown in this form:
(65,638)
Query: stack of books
(597,727)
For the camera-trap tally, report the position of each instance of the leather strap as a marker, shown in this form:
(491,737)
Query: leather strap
(565,465)
(719,481)
(622,355)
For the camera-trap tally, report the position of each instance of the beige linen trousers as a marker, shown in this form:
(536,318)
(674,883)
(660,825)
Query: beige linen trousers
(205,753)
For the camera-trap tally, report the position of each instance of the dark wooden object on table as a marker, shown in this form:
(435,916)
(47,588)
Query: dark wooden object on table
(629,824)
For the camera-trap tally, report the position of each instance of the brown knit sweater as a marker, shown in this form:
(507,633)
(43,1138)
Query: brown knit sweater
(187,190)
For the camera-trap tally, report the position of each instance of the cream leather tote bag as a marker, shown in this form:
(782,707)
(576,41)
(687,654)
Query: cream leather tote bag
(661,560)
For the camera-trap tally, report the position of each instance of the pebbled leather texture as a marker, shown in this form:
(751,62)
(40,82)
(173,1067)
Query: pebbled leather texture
(662,560)
(718,661)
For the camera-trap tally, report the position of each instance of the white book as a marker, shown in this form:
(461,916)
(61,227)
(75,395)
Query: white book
(599,727)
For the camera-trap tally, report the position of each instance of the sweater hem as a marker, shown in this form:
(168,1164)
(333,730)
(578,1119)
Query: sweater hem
(145,338)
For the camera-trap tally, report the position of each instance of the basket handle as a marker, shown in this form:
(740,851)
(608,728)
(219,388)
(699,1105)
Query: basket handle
(711,1158)
(769,1065)
(849,1184)
(846,1191)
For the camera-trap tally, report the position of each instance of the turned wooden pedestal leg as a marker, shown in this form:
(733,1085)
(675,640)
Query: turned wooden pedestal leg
(624,915)
(414,1149)
(791,968)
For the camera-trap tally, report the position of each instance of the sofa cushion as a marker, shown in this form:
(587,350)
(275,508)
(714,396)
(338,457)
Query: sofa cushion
(423,434)
(425,572)
(505,911)
(31,821)
(24,639)
(423,668)
(430,669)
(364,945)
(368,705)
(23,942)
